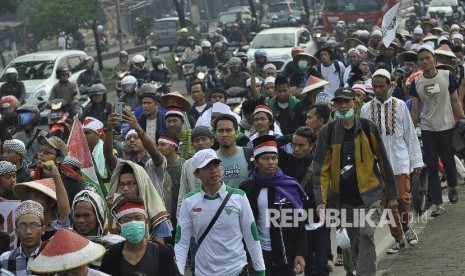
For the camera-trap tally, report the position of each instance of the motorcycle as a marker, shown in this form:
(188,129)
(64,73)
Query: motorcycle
(202,74)
(119,77)
(178,53)
(58,120)
(103,44)
(188,69)
(236,95)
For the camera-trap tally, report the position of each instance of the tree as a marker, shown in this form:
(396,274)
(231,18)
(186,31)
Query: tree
(9,6)
(68,16)
(181,15)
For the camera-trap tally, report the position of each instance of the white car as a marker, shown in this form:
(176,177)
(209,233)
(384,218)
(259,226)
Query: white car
(38,71)
(441,5)
(278,43)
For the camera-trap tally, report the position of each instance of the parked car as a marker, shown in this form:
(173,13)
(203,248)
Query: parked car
(226,19)
(441,5)
(284,10)
(38,71)
(278,43)
(166,31)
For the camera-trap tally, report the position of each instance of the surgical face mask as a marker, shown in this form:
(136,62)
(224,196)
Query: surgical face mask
(160,66)
(133,231)
(349,114)
(302,64)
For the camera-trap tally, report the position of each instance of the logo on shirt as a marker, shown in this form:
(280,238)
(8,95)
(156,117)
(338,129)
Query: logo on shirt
(197,210)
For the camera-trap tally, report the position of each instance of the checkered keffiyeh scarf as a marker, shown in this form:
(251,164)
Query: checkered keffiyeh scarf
(6,167)
(16,146)
(72,161)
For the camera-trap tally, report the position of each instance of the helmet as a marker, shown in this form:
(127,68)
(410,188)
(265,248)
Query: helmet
(123,54)
(99,28)
(128,84)
(219,30)
(153,48)
(339,26)
(11,70)
(9,101)
(234,61)
(293,21)
(206,44)
(97,89)
(259,53)
(360,21)
(157,61)
(218,45)
(296,49)
(88,60)
(183,31)
(26,118)
(191,38)
(342,23)
(62,70)
(138,59)
(274,18)
(146,88)
(235,25)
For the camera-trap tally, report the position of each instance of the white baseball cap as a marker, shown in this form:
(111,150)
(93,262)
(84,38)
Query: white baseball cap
(203,157)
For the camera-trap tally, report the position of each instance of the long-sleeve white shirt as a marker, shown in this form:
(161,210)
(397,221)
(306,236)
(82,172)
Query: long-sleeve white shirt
(222,251)
(399,136)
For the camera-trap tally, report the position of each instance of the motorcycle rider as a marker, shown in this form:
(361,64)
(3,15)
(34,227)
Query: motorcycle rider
(456,15)
(66,90)
(339,33)
(90,76)
(28,121)
(260,60)
(235,35)
(13,86)
(244,59)
(192,52)
(236,78)
(98,108)
(182,40)
(361,24)
(161,74)
(8,118)
(221,55)
(139,70)
(206,58)
(152,52)
(292,66)
(123,64)
(102,38)
(129,86)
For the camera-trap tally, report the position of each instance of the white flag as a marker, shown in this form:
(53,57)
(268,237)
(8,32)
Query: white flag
(389,25)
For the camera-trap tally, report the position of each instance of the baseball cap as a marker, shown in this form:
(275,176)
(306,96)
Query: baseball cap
(55,143)
(344,93)
(203,157)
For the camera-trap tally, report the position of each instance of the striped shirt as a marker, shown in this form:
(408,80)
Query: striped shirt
(16,262)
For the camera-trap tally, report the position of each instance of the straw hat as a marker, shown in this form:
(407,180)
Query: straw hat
(313,60)
(402,56)
(45,186)
(445,50)
(175,99)
(446,67)
(66,251)
(348,41)
(313,83)
(429,37)
(437,31)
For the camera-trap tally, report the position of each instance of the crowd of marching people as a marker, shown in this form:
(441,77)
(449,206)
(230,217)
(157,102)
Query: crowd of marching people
(191,184)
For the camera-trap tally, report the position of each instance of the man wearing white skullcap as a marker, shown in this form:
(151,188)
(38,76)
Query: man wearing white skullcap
(29,230)
(14,151)
(417,38)
(7,180)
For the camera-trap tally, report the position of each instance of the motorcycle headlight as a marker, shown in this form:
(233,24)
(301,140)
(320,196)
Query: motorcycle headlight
(176,58)
(56,106)
(318,35)
(200,75)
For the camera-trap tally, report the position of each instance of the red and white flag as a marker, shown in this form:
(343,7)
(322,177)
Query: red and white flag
(78,148)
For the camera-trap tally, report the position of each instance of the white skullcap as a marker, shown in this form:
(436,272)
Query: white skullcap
(249,80)
(418,30)
(221,108)
(377,32)
(361,48)
(270,79)
(457,36)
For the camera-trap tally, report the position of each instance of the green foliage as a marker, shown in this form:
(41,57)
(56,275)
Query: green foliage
(143,24)
(50,16)
(9,6)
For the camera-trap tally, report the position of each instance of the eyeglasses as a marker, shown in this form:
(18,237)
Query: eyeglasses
(130,184)
(24,226)
(46,152)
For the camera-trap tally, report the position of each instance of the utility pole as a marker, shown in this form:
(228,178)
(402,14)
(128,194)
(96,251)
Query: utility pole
(118,26)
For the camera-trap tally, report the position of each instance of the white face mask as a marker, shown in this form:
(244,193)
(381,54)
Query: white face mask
(160,66)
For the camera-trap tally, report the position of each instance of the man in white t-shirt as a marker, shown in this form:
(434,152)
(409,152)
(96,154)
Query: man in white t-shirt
(331,71)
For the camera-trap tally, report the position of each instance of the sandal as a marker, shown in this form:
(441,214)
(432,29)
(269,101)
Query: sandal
(339,260)
(439,210)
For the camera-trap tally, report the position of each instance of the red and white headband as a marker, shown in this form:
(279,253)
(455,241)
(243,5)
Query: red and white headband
(130,208)
(168,140)
(263,108)
(266,147)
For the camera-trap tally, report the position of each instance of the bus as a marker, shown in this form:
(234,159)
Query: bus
(349,11)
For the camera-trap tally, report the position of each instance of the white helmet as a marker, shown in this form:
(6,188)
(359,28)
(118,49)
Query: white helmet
(138,59)
(128,80)
(206,44)
(11,70)
(99,28)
